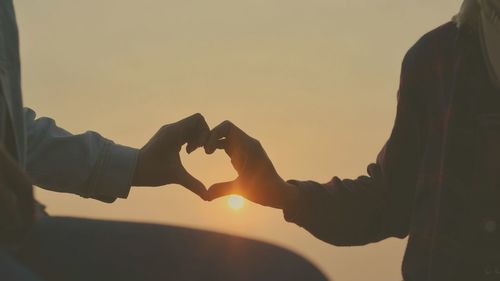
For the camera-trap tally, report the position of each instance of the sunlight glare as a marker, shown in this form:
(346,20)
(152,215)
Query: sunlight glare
(235,202)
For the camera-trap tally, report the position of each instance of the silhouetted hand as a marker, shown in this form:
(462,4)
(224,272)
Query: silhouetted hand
(16,199)
(257,179)
(159,161)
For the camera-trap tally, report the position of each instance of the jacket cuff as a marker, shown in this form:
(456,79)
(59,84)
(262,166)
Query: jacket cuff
(301,209)
(114,173)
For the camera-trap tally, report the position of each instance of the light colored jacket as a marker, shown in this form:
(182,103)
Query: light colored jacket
(85,164)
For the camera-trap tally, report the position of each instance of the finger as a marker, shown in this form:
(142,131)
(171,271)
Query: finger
(193,184)
(222,189)
(224,145)
(223,130)
(195,131)
(202,139)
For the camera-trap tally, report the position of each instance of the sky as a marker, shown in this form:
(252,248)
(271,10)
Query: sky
(315,81)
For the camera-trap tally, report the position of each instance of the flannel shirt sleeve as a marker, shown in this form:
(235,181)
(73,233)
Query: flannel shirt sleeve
(349,212)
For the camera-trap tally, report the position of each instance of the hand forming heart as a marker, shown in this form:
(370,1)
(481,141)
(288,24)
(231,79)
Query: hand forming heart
(159,162)
(257,178)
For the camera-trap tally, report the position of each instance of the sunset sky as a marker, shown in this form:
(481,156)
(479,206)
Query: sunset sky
(315,81)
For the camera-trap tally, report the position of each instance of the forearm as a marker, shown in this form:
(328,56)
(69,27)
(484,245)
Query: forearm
(342,212)
(377,206)
(291,194)
(86,164)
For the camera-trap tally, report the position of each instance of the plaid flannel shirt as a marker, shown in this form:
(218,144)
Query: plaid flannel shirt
(437,178)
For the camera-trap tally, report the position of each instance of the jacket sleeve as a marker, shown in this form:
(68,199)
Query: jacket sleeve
(85,164)
(374,207)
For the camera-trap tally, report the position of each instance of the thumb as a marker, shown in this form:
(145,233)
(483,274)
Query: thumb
(222,189)
(192,183)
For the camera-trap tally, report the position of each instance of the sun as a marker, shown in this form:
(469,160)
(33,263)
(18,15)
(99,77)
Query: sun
(235,202)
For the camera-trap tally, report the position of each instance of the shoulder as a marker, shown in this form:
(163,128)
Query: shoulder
(434,46)
(429,61)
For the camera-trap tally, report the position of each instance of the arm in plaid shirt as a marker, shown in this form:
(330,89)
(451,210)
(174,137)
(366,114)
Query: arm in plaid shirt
(374,207)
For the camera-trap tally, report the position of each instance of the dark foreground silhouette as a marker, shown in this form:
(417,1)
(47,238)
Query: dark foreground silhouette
(77,249)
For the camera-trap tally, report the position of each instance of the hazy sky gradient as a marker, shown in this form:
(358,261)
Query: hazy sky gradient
(314,80)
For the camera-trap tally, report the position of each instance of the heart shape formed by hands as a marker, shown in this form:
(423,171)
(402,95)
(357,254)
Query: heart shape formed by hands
(159,162)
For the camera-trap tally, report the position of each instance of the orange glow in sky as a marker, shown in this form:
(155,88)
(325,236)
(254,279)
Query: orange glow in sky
(314,81)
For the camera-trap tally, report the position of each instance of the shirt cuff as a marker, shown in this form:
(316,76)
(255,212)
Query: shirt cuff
(114,173)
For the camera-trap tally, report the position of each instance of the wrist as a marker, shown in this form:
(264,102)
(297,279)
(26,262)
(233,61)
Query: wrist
(137,178)
(290,194)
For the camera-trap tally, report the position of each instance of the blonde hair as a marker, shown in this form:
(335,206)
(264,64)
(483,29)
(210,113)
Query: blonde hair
(490,10)
(469,14)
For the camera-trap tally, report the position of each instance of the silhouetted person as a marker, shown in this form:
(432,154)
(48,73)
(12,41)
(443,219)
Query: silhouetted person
(48,248)
(437,179)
